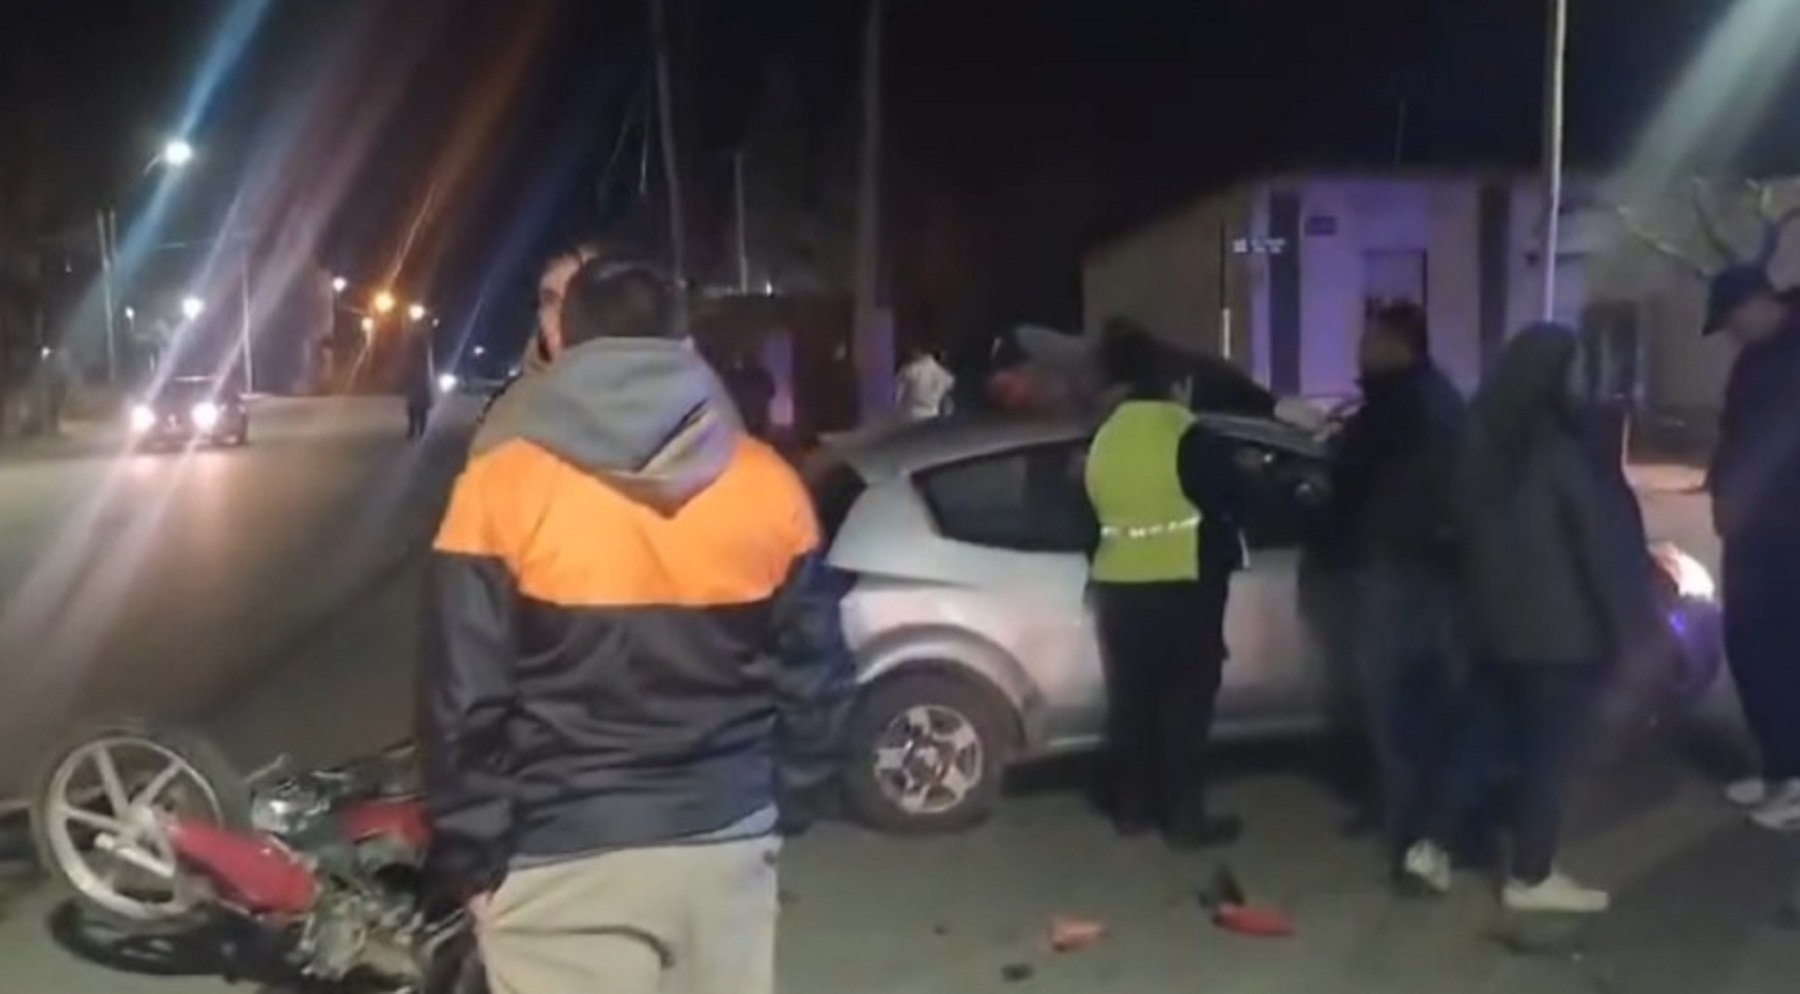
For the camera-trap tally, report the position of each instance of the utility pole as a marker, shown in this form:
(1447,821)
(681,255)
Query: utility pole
(106,296)
(1556,50)
(244,341)
(873,341)
(743,235)
(665,104)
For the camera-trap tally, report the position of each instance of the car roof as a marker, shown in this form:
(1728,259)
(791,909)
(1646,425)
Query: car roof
(887,451)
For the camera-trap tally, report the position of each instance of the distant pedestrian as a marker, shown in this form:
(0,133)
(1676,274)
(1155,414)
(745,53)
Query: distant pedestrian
(1755,485)
(1392,475)
(922,390)
(1555,590)
(1167,498)
(419,387)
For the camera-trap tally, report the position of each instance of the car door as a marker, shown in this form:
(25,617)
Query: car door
(1019,527)
(1276,674)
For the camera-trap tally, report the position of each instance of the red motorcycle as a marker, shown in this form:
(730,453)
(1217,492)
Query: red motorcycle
(156,833)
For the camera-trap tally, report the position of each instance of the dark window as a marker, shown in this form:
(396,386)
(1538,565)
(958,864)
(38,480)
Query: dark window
(1030,500)
(835,488)
(1285,494)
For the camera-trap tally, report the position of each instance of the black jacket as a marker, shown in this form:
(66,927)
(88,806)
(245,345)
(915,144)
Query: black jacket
(1755,473)
(1392,471)
(631,638)
(1552,562)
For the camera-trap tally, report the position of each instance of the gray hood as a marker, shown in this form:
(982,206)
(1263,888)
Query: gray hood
(1521,404)
(649,416)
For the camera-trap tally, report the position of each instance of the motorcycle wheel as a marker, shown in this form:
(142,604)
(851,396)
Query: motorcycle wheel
(96,819)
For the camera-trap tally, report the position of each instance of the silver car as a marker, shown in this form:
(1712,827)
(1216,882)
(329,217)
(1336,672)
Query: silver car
(964,547)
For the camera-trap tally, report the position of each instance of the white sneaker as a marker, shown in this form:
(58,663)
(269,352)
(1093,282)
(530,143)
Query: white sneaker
(1749,792)
(1780,812)
(1429,864)
(1555,893)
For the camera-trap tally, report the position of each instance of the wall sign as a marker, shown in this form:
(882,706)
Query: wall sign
(1258,246)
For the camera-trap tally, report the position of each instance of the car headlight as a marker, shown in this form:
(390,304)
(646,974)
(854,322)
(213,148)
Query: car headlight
(447,382)
(206,415)
(142,418)
(1692,580)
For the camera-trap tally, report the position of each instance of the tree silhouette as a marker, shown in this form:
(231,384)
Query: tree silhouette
(1708,226)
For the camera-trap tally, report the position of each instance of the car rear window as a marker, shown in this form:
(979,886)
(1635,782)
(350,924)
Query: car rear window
(835,486)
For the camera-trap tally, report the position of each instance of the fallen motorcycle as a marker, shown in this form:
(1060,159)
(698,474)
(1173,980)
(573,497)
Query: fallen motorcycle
(156,833)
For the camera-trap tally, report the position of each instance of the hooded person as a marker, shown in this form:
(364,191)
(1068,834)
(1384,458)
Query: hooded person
(634,675)
(1754,480)
(1554,592)
(499,419)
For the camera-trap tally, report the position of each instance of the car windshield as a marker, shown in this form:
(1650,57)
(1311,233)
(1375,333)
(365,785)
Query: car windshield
(186,390)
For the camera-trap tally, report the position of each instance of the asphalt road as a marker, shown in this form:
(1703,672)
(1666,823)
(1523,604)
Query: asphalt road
(267,596)
(205,586)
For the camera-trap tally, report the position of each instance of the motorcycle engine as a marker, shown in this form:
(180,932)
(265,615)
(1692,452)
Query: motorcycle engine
(290,809)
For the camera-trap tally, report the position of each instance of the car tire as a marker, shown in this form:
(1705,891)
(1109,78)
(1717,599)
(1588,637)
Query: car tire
(956,706)
(230,794)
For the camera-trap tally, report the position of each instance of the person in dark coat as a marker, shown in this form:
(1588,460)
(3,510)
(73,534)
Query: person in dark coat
(418,388)
(1392,473)
(1555,591)
(1755,481)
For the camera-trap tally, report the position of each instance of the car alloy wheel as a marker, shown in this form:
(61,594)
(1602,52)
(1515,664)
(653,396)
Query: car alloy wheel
(929,760)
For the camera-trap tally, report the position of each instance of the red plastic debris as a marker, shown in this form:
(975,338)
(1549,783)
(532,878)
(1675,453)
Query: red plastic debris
(1068,934)
(1261,923)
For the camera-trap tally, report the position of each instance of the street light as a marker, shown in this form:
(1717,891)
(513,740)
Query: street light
(177,152)
(339,284)
(384,302)
(368,325)
(192,307)
(416,312)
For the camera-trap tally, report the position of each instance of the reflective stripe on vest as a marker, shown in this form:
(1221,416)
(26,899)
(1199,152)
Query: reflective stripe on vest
(1149,531)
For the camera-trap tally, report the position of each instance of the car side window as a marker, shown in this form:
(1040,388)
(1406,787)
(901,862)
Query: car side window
(1027,500)
(1284,492)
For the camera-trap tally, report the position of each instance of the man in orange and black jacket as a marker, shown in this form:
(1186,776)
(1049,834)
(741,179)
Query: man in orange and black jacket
(634,675)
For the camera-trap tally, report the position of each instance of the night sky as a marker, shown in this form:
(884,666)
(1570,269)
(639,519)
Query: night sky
(446,144)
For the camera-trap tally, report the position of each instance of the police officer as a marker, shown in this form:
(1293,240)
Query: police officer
(1165,492)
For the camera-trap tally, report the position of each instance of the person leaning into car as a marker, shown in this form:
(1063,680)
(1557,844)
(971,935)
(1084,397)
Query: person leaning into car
(634,675)
(1165,493)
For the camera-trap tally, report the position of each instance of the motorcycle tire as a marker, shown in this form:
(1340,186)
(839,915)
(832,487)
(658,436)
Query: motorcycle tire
(229,793)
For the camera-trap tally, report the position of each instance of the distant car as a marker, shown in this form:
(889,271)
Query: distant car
(197,409)
(963,549)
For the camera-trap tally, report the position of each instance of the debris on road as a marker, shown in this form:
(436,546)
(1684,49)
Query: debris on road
(1016,973)
(1224,899)
(1070,934)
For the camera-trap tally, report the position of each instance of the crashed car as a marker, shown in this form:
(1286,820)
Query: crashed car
(963,546)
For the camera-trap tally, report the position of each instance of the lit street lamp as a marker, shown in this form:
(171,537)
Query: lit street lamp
(192,307)
(416,312)
(384,302)
(368,325)
(177,153)
(339,284)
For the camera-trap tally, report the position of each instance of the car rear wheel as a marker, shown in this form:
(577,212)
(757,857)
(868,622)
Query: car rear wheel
(929,752)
